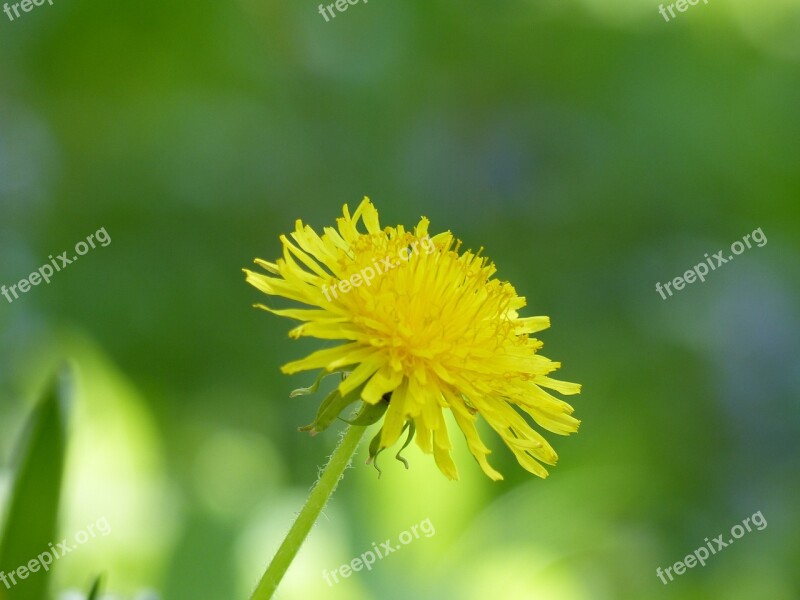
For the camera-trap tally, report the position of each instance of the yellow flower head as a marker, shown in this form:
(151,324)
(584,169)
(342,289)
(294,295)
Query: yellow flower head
(424,328)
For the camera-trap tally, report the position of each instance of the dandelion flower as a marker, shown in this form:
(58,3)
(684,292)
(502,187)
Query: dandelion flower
(424,328)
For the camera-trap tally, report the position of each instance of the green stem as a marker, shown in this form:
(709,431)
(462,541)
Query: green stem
(316,501)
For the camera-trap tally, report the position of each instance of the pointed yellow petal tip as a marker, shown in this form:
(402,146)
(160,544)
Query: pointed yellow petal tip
(429,324)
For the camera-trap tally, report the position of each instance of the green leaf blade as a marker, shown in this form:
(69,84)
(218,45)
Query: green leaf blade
(31,522)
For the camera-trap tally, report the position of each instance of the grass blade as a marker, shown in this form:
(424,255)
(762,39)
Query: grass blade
(31,522)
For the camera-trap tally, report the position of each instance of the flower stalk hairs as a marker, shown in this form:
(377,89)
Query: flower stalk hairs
(423,328)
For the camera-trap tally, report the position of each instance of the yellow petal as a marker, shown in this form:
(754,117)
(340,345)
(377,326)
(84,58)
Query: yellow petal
(382,382)
(329,358)
(362,372)
(395,417)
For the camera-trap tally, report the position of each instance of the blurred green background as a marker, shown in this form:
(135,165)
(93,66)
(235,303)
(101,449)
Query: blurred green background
(591,147)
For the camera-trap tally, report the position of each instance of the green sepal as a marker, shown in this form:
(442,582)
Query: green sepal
(330,408)
(412,429)
(374,450)
(369,414)
(375,446)
(313,387)
(326,404)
